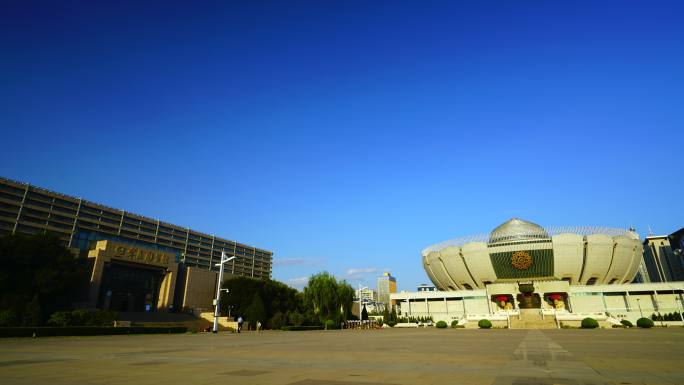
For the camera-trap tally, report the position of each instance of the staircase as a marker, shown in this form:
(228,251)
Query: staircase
(532,319)
(165,319)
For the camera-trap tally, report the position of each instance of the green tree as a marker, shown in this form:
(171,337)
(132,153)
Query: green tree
(277,321)
(256,311)
(296,318)
(8,318)
(393,314)
(328,299)
(345,296)
(276,297)
(32,314)
(39,268)
(386,315)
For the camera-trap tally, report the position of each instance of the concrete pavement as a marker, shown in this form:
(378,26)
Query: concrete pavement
(378,357)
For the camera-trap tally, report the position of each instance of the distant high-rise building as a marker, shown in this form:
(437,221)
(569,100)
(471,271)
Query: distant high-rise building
(386,285)
(663,258)
(426,287)
(368,295)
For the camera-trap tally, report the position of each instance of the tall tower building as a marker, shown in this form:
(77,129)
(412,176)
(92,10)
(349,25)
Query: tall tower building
(663,262)
(386,285)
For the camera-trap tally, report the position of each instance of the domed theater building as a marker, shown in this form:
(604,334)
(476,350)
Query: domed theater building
(524,275)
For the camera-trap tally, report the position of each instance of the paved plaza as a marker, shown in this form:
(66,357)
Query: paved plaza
(381,357)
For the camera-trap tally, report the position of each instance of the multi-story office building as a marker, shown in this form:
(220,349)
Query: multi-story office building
(83,226)
(386,285)
(367,295)
(663,260)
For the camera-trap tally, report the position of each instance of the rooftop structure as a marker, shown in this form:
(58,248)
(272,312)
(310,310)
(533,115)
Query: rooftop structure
(519,250)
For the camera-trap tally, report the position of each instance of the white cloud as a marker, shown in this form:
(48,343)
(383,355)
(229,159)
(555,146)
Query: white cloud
(298,282)
(297,261)
(361,273)
(362,270)
(289,261)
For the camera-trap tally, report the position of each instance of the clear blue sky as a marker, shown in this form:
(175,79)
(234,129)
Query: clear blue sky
(349,136)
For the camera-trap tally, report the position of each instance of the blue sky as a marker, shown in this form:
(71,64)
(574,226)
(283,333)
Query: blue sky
(348,136)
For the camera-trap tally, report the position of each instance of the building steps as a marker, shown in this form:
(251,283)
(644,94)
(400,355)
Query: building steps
(532,319)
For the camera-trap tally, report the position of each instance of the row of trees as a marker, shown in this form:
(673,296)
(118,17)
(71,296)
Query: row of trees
(39,276)
(675,316)
(275,304)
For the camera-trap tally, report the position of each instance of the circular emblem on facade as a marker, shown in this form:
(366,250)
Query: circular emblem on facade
(521,260)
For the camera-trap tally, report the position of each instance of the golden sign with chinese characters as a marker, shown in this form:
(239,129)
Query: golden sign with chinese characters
(136,254)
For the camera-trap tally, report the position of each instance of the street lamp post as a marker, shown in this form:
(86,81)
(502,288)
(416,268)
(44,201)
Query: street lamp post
(639,304)
(360,309)
(217,308)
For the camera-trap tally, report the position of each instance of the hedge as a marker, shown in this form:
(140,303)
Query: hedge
(301,328)
(589,323)
(86,331)
(626,323)
(484,324)
(441,325)
(644,323)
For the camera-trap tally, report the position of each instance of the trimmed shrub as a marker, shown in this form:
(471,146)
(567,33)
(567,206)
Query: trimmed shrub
(644,323)
(301,328)
(441,325)
(392,324)
(589,323)
(60,319)
(484,324)
(82,317)
(626,323)
(330,324)
(454,323)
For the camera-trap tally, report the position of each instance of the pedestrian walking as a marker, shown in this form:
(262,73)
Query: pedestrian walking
(240,321)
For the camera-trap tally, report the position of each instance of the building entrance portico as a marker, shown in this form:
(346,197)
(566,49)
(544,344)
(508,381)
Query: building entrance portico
(130,278)
(129,288)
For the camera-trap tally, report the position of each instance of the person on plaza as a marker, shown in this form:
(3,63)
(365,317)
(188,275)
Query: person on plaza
(240,321)
(258,326)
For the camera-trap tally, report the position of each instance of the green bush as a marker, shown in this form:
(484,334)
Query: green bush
(60,319)
(296,318)
(484,324)
(8,318)
(82,317)
(86,331)
(102,318)
(330,324)
(589,323)
(301,328)
(454,323)
(392,324)
(644,323)
(441,325)
(277,321)
(627,323)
